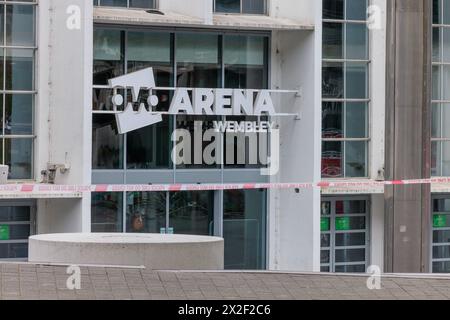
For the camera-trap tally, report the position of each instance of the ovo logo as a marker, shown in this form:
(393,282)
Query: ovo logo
(129,120)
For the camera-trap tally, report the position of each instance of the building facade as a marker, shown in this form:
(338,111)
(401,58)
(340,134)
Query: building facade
(327,65)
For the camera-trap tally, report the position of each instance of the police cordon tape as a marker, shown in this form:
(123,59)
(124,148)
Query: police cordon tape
(46,188)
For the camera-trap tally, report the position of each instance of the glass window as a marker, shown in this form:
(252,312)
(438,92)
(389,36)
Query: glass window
(345,107)
(192,212)
(107,144)
(441,234)
(197,58)
(142,4)
(106,212)
(108,55)
(244,229)
(149,148)
(146,212)
(344,235)
(241,6)
(440,162)
(245,59)
(208,60)
(16,226)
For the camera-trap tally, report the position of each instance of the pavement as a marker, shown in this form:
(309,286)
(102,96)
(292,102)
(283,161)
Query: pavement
(44,282)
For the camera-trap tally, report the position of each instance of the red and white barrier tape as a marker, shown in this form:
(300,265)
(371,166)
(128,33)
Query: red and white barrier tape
(45,188)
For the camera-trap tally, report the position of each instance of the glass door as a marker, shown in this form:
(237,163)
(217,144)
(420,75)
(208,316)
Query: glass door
(17,224)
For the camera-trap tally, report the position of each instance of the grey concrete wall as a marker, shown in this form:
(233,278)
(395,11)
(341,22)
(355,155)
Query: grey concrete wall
(408,135)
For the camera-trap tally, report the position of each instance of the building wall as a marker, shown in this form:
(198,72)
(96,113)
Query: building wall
(64,82)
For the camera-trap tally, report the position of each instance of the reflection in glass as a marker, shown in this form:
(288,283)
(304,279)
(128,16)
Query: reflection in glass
(19,157)
(107,144)
(19,114)
(19,69)
(192,212)
(197,58)
(244,229)
(333,80)
(245,62)
(108,56)
(106,212)
(146,212)
(149,147)
(20,25)
(333,40)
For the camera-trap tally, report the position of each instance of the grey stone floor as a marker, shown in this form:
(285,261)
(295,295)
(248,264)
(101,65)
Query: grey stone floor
(31,282)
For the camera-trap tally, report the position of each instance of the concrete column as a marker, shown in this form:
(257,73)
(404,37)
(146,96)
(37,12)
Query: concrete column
(408,104)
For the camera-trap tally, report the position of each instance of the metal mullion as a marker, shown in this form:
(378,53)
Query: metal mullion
(343,264)
(447,244)
(16,223)
(333,235)
(344,21)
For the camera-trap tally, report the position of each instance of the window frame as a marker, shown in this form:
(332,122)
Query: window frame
(173,118)
(332,232)
(266,10)
(442,103)
(344,100)
(33,92)
(155,6)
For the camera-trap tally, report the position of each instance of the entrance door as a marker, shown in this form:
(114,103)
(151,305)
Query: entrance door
(16,226)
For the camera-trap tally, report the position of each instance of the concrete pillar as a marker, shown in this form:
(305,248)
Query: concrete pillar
(408,104)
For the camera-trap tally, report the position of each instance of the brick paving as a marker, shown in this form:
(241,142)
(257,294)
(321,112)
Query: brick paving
(32,282)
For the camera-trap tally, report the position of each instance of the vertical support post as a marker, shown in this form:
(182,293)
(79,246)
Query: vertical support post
(408,135)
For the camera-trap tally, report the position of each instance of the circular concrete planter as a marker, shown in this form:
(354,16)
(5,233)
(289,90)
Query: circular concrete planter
(154,251)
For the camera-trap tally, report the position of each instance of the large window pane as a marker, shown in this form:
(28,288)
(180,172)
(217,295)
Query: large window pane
(106,212)
(333,38)
(254,6)
(332,159)
(19,157)
(356,123)
(146,212)
(228,6)
(108,56)
(107,144)
(356,81)
(20,25)
(356,37)
(146,4)
(333,9)
(355,159)
(198,61)
(244,228)
(113,3)
(19,114)
(245,62)
(192,212)
(356,9)
(333,80)
(332,120)
(19,69)
(149,147)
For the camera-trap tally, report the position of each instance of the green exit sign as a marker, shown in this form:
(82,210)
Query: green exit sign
(4,232)
(440,221)
(343,224)
(324,224)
